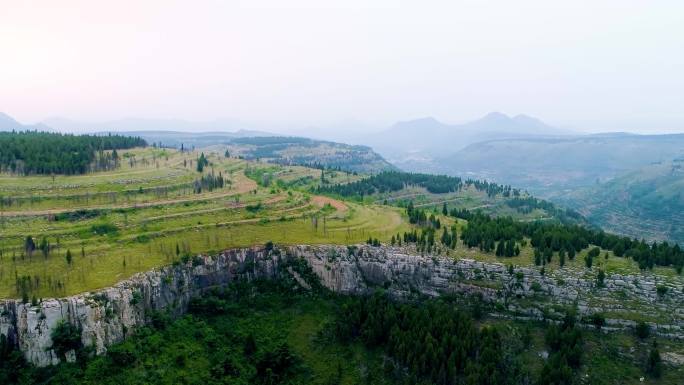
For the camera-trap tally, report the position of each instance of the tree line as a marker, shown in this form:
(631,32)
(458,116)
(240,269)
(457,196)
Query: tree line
(561,239)
(33,152)
(435,341)
(390,181)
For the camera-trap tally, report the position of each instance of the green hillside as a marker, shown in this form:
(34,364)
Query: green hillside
(309,152)
(647,203)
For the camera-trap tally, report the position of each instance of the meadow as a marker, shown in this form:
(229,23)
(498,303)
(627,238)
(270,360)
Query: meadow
(148,213)
(91,231)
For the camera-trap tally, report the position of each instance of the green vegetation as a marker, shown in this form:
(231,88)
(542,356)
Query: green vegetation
(51,153)
(134,218)
(436,191)
(549,238)
(291,151)
(646,203)
(277,333)
(435,340)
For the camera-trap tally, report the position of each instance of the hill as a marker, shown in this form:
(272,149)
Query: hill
(33,152)
(189,140)
(417,144)
(152,125)
(8,123)
(309,152)
(551,166)
(442,193)
(647,203)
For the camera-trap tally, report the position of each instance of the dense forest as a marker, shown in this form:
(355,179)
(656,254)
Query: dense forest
(505,236)
(565,240)
(436,341)
(392,181)
(235,336)
(33,152)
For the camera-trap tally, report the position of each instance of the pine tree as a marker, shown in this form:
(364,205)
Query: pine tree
(654,364)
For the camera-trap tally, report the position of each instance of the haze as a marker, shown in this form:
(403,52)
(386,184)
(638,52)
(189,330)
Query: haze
(585,65)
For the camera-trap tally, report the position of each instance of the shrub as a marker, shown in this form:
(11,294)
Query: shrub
(536,287)
(598,320)
(642,330)
(600,278)
(136,298)
(104,228)
(654,364)
(65,337)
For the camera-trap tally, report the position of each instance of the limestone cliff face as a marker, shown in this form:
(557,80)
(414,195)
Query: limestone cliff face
(107,316)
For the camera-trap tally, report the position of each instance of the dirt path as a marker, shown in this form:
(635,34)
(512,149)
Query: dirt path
(321,201)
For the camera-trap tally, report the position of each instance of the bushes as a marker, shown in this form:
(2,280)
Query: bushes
(104,228)
(654,364)
(642,330)
(598,320)
(65,337)
(566,345)
(661,290)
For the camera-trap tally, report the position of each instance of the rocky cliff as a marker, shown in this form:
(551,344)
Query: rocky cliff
(109,315)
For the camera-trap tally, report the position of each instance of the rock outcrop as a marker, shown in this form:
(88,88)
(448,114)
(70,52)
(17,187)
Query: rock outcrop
(109,315)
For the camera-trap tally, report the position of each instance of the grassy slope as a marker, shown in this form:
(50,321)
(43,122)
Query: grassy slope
(150,225)
(147,236)
(648,203)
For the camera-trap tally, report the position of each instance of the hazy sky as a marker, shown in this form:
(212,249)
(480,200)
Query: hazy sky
(590,64)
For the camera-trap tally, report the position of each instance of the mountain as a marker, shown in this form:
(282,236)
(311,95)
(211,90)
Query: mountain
(190,139)
(7,123)
(139,124)
(551,166)
(310,152)
(415,145)
(646,203)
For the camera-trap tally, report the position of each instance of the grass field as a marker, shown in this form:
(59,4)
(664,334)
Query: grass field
(147,213)
(119,223)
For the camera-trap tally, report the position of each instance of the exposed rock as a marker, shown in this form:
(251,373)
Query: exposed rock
(110,315)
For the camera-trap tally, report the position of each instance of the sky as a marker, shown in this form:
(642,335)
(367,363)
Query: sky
(588,65)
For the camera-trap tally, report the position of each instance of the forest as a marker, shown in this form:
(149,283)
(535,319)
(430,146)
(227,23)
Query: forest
(234,336)
(390,181)
(32,152)
(484,231)
(504,236)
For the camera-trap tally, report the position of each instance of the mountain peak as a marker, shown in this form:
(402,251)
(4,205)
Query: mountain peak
(421,121)
(8,123)
(495,115)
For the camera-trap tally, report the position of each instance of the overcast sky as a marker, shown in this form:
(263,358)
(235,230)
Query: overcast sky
(592,65)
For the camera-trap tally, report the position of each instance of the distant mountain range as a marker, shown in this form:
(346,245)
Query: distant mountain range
(551,166)
(7,123)
(139,124)
(416,144)
(170,132)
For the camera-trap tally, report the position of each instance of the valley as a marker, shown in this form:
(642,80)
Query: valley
(110,251)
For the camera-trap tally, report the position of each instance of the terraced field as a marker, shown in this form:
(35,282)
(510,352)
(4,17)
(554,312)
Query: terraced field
(149,213)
